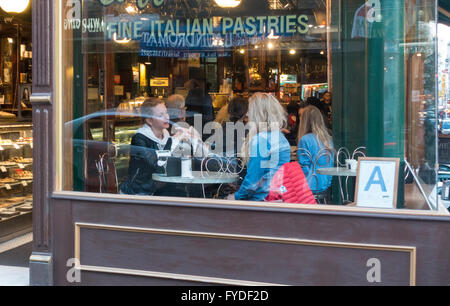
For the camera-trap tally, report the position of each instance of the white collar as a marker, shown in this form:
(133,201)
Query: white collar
(147,131)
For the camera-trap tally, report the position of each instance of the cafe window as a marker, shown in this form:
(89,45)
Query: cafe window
(302,102)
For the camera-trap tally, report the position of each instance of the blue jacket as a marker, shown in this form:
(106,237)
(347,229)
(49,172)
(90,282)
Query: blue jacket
(268,152)
(318,182)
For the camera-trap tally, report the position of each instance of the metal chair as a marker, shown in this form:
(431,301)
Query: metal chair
(316,163)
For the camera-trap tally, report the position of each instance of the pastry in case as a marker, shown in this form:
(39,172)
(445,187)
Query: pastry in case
(23,175)
(6,213)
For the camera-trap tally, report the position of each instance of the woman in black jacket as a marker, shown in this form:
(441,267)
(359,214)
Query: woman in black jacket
(152,137)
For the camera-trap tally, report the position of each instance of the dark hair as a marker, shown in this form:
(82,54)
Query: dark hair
(237,108)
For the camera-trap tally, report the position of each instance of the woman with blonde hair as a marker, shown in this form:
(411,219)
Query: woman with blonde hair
(265,148)
(315,146)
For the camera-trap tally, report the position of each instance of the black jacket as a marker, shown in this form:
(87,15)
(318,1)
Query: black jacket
(143,163)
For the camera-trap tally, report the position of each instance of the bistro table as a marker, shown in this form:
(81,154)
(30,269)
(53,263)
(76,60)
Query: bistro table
(336,171)
(198,177)
(339,172)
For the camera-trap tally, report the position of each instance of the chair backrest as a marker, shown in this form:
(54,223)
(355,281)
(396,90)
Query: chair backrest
(289,185)
(101,170)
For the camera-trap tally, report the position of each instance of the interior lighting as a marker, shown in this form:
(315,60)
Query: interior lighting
(228,3)
(120,41)
(14,6)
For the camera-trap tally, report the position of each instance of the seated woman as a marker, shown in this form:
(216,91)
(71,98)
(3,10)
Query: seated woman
(315,146)
(265,148)
(152,137)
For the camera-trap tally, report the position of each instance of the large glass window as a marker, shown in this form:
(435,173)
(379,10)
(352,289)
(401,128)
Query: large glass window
(256,100)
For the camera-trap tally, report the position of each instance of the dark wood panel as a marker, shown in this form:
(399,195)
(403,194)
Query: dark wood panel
(424,233)
(235,258)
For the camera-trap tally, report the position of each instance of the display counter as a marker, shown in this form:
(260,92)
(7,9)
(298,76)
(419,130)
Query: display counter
(16,179)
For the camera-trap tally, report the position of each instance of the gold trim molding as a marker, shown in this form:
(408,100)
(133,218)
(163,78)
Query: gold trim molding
(41,98)
(292,241)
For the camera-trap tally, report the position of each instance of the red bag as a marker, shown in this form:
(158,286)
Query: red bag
(289,185)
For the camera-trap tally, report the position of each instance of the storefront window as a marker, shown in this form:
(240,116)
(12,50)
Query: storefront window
(255,100)
(16,137)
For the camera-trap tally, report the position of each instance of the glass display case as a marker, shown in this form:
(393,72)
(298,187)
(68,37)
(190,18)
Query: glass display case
(16,165)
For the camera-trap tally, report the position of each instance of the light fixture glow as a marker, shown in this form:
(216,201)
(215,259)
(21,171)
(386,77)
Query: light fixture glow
(120,41)
(242,51)
(322,52)
(272,35)
(419,54)
(14,6)
(292,52)
(228,3)
(131,9)
(10,40)
(270,45)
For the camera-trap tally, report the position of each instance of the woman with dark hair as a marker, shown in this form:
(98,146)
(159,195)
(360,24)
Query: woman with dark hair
(237,113)
(198,101)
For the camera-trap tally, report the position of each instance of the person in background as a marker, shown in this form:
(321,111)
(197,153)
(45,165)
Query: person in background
(292,126)
(321,106)
(198,102)
(237,113)
(265,148)
(313,138)
(327,107)
(192,143)
(234,132)
(176,107)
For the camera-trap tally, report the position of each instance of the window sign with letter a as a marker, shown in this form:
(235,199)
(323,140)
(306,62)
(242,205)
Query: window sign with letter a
(377,182)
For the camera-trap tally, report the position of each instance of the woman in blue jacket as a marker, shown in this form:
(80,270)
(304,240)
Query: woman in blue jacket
(315,147)
(265,148)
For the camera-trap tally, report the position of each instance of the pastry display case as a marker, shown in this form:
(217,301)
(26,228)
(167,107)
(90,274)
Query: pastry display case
(16,176)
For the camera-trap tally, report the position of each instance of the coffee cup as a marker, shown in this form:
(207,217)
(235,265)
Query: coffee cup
(186,167)
(351,164)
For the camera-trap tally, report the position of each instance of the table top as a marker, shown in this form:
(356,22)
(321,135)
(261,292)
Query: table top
(336,171)
(198,178)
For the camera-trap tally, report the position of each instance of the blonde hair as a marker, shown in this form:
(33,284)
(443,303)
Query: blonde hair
(265,114)
(312,121)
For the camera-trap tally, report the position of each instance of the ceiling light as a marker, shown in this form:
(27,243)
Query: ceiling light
(120,41)
(292,52)
(228,3)
(242,51)
(14,6)
(270,45)
(131,9)
(322,52)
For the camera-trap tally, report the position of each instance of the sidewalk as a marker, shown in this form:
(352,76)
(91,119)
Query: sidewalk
(14,276)
(14,263)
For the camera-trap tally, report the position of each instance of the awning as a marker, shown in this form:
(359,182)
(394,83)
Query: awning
(444,12)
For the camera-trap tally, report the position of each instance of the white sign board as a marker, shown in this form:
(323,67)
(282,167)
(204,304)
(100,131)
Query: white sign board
(377,182)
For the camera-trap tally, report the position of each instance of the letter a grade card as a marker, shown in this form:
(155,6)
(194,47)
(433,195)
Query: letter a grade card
(377,182)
